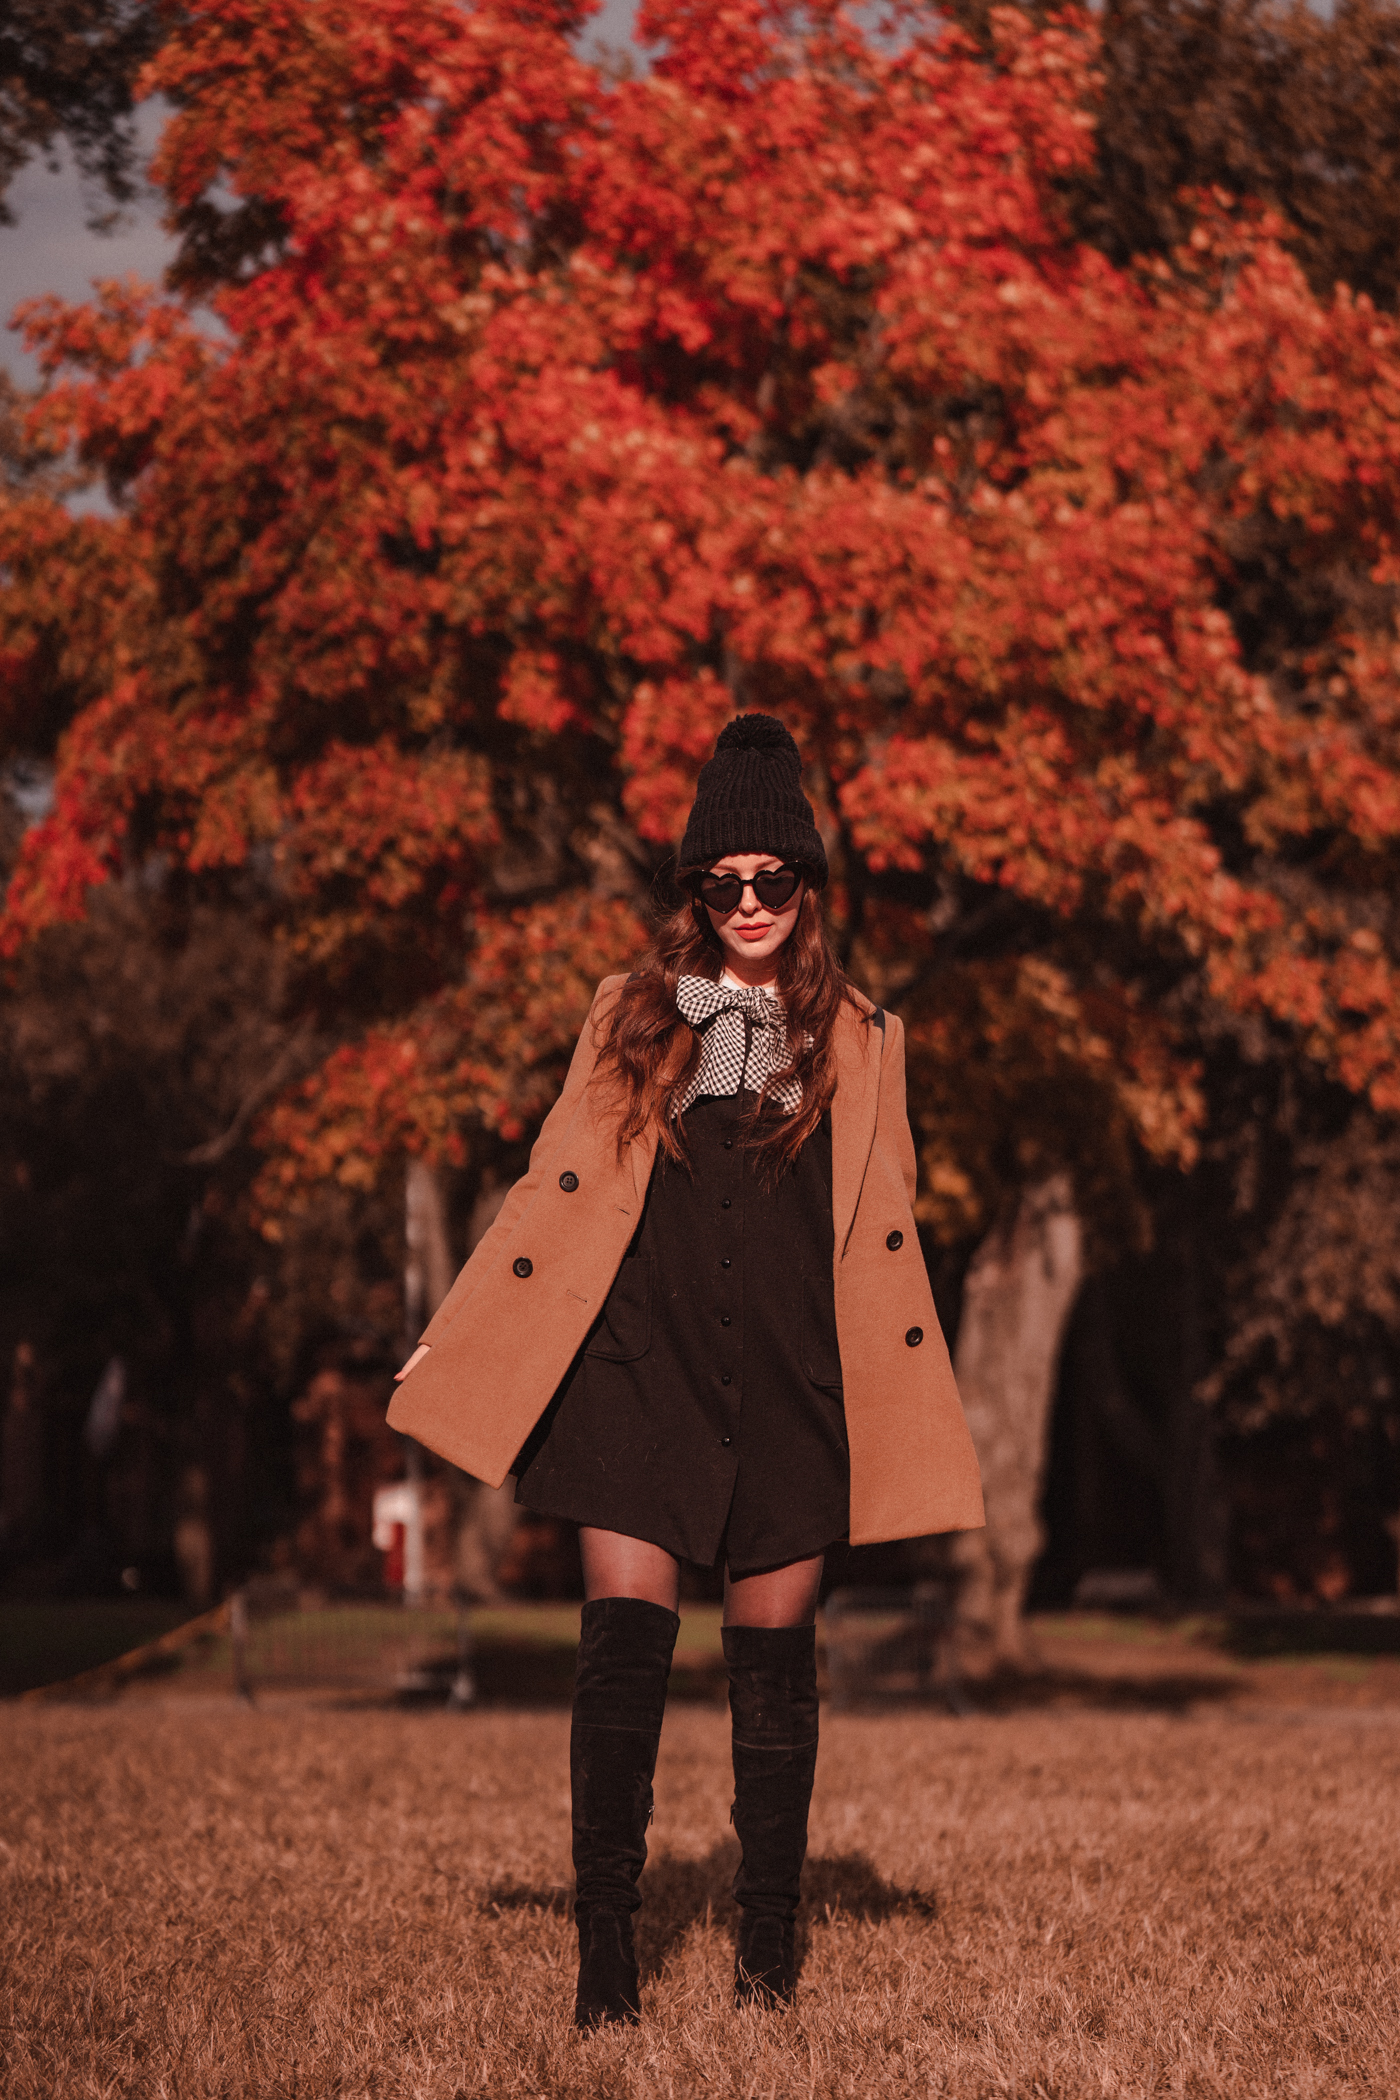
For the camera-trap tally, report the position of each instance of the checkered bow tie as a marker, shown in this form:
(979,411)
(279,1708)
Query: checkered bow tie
(742,1040)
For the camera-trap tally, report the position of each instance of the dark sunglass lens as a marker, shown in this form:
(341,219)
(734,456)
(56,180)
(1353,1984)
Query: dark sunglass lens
(775,887)
(721,892)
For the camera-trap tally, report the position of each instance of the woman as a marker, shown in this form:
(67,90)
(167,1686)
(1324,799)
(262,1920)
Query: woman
(701,1326)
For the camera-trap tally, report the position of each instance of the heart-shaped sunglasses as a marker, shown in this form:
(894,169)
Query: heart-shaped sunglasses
(773,887)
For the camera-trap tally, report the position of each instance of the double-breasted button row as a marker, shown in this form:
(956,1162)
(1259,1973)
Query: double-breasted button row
(568,1182)
(912,1335)
(523,1266)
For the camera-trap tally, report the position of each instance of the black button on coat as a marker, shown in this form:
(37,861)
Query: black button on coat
(704,1412)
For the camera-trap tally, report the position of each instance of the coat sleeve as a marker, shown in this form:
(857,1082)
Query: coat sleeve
(552,1131)
(893,1093)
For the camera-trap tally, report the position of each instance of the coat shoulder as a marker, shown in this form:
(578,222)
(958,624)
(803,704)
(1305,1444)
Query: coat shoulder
(860,1012)
(609,988)
(607,995)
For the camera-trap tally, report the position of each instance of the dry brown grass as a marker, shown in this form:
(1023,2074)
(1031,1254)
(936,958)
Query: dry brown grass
(200,1900)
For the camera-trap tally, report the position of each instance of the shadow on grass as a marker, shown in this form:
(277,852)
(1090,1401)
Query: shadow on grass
(524,1675)
(535,1678)
(536,1674)
(1045,1684)
(1125,1691)
(678,1893)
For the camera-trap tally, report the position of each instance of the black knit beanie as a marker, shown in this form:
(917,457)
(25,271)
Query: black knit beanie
(750,800)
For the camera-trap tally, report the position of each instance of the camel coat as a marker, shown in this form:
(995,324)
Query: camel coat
(508,1330)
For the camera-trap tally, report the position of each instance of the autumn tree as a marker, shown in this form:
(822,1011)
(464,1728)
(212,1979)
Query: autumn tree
(137,1050)
(1291,105)
(555,415)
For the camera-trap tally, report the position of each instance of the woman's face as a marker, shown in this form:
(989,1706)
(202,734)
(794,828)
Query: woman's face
(752,933)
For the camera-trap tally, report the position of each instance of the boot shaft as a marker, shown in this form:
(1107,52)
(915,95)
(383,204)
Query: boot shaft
(624,1660)
(773,1706)
(772,1685)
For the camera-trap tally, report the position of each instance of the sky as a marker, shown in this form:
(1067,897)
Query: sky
(50,249)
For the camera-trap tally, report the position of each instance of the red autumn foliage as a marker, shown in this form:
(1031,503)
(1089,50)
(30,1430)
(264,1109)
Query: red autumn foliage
(562,413)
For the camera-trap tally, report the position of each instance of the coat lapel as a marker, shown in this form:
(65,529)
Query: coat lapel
(853,1113)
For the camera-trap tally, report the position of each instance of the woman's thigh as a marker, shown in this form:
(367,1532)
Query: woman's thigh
(617,1566)
(785,1596)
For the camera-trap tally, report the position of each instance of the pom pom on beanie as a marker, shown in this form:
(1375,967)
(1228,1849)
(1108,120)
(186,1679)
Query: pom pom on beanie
(756,733)
(749,800)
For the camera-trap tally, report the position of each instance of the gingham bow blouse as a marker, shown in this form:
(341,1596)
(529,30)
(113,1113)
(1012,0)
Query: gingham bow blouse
(743,1038)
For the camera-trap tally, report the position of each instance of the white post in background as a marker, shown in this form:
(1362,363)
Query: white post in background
(399,1507)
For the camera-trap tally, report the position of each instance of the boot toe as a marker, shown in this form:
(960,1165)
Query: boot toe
(765,1967)
(609,1990)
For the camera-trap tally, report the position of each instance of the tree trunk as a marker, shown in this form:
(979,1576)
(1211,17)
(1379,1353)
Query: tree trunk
(427,1278)
(428,1270)
(1016,1303)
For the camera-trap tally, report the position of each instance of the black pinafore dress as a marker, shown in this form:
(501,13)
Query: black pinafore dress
(704,1411)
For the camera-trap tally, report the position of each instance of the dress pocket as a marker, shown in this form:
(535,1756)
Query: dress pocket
(821,1351)
(623,1333)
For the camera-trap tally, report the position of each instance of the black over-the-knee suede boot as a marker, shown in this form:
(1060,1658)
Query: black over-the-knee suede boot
(773,1705)
(624,1660)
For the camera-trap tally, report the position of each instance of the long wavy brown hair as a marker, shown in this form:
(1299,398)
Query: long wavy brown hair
(650,1051)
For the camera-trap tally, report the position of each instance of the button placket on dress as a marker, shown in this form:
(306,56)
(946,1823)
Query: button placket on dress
(655,1445)
(729,1355)
(732,1182)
